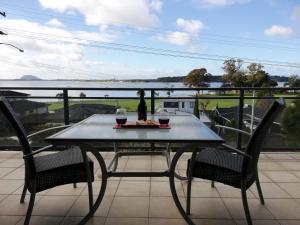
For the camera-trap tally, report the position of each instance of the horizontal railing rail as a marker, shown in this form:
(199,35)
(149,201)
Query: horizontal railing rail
(240,95)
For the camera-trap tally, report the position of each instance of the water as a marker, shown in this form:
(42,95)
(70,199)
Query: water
(98,84)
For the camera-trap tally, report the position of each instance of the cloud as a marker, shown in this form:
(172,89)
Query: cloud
(186,35)
(190,26)
(45,56)
(281,31)
(135,13)
(296,14)
(218,3)
(55,23)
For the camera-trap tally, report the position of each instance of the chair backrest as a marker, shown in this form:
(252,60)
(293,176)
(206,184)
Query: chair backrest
(16,124)
(256,141)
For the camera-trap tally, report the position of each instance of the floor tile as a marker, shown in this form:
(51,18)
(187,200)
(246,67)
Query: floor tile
(258,222)
(204,208)
(279,156)
(284,208)
(111,188)
(54,205)
(289,222)
(138,164)
(226,191)
(162,189)
(133,188)
(10,220)
(81,206)
(9,186)
(202,189)
(268,165)
(129,207)
(214,222)
(257,211)
(45,220)
(12,206)
(17,174)
(164,221)
(292,165)
(5,171)
(292,188)
(75,220)
(270,190)
(282,176)
(126,221)
(67,189)
(164,207)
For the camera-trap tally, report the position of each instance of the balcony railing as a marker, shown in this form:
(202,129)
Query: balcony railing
(240,95)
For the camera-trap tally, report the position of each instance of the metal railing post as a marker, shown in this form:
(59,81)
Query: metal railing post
(152,101)
(66,107)
(240,118)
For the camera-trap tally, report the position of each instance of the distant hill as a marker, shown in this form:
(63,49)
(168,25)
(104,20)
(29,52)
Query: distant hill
(29,77)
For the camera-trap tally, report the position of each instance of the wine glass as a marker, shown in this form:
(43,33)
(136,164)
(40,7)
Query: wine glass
(163,118)
(121,117)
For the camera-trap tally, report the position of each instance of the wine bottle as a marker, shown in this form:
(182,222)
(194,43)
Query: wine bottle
(142,107)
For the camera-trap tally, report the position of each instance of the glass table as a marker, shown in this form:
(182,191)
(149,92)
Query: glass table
(99,128)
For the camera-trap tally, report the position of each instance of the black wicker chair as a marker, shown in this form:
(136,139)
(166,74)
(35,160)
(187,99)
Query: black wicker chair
(48,171)
(232,166)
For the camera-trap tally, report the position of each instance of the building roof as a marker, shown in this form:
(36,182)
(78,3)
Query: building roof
(79,111)
(12,93)
(23,106)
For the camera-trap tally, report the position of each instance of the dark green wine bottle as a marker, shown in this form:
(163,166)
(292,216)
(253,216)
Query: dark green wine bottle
(142,107)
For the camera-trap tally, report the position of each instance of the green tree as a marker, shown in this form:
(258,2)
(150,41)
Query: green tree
(291,122)
(82,95)
(293,81)
(233,73)
(257,77)
(196,108)
(197,78)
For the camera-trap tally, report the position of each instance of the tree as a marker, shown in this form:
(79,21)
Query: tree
(234,74)
(60,95)
(197,78)
(82,95)
(291,122)
(257,77)
(196,108)
(293,81)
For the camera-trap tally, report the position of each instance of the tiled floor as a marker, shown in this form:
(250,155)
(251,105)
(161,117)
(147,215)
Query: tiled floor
(139,201)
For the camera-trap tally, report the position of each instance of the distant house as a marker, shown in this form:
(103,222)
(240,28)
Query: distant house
(26,107)
(177,105)
(78,112)
(15,94)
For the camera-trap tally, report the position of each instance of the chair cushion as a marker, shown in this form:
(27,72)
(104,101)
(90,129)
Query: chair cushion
(218,165)
(60,168)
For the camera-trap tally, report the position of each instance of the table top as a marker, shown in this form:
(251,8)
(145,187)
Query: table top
(99,128)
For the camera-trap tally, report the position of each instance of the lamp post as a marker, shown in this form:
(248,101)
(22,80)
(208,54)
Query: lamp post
(20,50)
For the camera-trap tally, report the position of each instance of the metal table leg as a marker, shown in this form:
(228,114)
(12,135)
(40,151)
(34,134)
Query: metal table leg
(172,175)
(104,177)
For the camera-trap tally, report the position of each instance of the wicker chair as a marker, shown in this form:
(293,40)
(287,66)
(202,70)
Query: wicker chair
(232,166)
(48,171)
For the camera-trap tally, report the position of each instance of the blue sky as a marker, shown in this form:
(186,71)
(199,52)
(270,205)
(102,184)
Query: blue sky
(99,39)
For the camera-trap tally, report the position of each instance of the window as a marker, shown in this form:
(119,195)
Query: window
(182,105)
(192,104)
(170,104)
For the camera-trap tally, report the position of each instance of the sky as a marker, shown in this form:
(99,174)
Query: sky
(141,39)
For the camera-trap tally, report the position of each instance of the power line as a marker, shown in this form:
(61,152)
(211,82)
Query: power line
(146,50)
(210,37)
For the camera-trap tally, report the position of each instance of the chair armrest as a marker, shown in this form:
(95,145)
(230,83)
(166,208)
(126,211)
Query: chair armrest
(233,129)
(236,151)
(38,151)
(51,128)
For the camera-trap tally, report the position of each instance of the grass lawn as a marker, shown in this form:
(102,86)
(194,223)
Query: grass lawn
(131,105)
